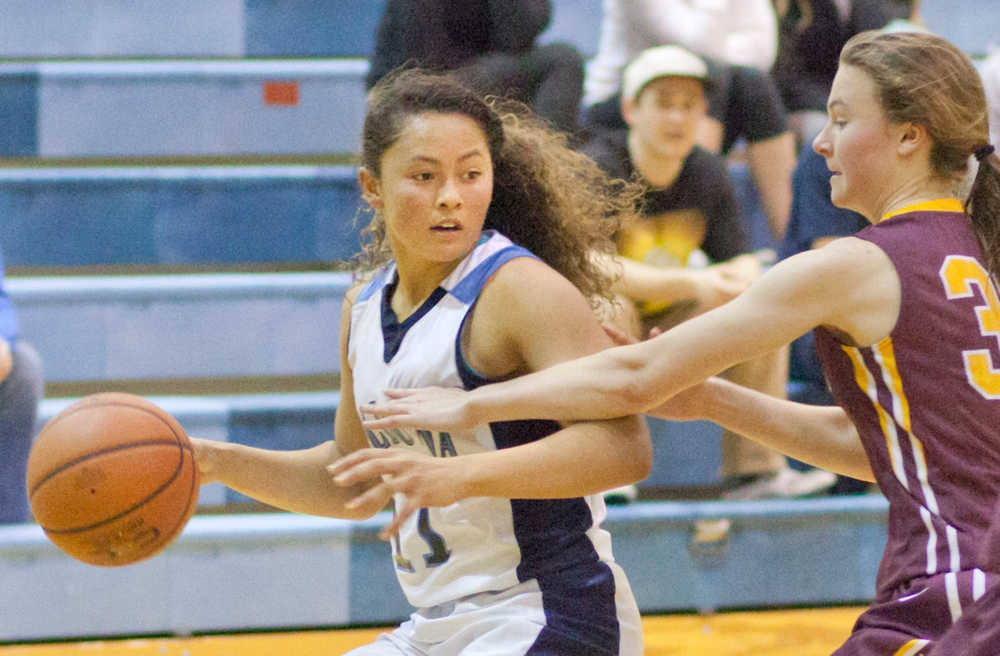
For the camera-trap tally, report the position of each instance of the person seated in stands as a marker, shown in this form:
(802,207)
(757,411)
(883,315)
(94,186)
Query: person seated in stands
(21,390)
(492,47)
(738,41)
(810,36)
(689,218)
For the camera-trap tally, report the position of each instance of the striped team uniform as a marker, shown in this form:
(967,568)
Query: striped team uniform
(486,575)
(926,402)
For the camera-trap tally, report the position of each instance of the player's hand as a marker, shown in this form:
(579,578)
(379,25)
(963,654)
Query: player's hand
(431,408)
(720,284)
(424,481)
(6,359)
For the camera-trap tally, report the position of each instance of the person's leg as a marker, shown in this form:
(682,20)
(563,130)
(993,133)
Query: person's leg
(741,456)
(751,470)
(20,394)
(557,72)
(549,78)
(754,111)
(771,162)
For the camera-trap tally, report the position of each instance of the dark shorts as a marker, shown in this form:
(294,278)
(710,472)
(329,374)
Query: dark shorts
(919,614)
(976,633)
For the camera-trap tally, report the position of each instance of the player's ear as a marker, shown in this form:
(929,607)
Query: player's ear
(628,109)
(371,188)
(912,136)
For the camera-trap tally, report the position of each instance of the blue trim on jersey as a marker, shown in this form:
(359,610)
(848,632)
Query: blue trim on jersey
(581,614)
(374,284)
(468,290)
(394,331)
(578,601)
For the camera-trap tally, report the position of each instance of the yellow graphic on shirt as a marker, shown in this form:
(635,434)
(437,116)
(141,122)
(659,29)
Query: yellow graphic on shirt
(960,273)
(664,240)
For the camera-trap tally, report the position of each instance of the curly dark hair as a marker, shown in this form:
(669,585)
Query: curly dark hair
(547,197)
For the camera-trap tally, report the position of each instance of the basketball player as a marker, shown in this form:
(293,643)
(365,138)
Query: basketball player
(480,219)
(907,321)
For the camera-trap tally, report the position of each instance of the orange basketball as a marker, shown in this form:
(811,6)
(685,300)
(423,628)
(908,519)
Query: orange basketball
(112,479)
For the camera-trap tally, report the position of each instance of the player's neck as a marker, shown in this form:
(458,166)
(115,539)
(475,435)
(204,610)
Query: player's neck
(414,285)
(913,192)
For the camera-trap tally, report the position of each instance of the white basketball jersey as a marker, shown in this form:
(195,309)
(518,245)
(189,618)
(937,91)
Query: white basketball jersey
(482,543)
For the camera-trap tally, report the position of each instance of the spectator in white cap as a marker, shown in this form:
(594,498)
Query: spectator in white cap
(737,41)
(689,250)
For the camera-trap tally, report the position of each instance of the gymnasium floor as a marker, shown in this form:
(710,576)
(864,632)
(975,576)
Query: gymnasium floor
(801,632)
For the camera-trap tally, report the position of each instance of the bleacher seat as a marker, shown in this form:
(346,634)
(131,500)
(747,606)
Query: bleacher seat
(123,328)
(171,108)
(278,571)
(161,216)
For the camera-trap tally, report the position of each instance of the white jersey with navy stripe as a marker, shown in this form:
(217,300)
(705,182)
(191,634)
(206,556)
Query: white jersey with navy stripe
(477,544)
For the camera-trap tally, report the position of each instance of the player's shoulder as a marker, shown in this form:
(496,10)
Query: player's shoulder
(527,277)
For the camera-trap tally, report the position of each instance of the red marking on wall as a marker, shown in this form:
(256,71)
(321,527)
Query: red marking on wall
(281,93)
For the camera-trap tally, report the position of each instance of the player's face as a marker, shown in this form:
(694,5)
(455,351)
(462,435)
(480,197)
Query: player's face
(435,188)
(857,144)
(665,115)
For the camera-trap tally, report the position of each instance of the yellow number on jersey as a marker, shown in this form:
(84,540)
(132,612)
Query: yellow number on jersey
(959,274)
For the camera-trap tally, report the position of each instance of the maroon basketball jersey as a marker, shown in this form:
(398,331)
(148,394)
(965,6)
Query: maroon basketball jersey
(926,399)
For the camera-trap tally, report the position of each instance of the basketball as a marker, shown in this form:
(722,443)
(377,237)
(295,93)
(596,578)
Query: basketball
(112,479)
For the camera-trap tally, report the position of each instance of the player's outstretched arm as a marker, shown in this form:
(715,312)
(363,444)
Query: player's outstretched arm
(297,480)
(848,285)
(822,436)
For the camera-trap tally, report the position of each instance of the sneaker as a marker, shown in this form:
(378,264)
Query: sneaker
(621,495)
(786,483)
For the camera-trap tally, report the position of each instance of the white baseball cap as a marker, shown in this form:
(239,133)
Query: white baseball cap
(661,61)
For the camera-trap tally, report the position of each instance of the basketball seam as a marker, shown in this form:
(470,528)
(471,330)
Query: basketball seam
(93,454)
(150,496)
(73,409)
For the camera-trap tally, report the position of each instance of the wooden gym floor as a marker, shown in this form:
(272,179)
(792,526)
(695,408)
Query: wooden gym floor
(800,632)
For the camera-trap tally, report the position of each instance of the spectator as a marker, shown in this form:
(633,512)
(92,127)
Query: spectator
(738,41)
(492,46)
(21,389)
(689,211)
(810,36)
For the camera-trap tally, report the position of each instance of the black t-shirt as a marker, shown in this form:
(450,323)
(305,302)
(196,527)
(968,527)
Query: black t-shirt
(703,185)
(447,34)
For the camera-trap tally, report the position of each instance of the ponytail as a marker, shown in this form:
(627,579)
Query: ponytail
(983,205)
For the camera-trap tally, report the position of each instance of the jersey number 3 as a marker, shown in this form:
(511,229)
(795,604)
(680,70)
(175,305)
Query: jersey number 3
(959,274)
